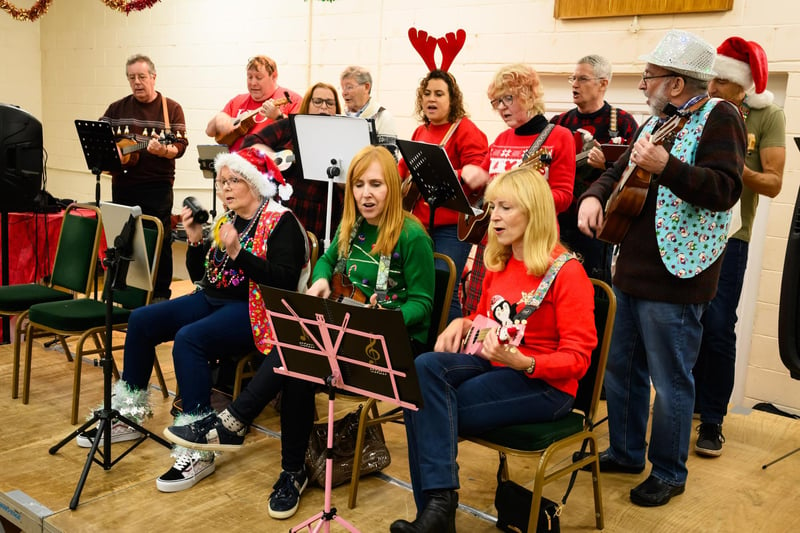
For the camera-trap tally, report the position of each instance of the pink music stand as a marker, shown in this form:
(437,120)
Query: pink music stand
(324,340)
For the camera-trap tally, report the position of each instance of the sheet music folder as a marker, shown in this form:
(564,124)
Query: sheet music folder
(364,342)
(434,175)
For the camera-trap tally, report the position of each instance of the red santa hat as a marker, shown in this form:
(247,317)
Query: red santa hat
(745,63)
(258,169)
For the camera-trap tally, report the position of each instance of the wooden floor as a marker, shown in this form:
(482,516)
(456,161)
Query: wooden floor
(731,493)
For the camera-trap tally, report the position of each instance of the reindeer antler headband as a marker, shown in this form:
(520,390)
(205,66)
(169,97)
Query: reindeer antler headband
(425,45)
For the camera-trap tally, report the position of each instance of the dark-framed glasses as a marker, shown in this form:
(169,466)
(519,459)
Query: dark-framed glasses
(319,102)
(645,77)
(233,180)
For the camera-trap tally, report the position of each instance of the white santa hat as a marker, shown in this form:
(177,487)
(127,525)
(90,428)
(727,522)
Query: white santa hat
(745,63)
(258,169)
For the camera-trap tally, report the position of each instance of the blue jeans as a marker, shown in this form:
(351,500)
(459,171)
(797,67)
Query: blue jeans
(715,369)
(204,330)
(445,241)
(655,341)
(465,394)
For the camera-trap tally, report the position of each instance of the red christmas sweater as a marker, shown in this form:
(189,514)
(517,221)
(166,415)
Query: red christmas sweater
(467,146)
(561,333)
(507,150)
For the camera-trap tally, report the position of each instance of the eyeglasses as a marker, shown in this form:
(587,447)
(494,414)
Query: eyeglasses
(350,87)
(506,100)
(645,77)
(582,79)
(233,180)
(319,102)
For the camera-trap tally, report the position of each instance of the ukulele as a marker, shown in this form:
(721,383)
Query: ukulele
(343,291)
(130,146)
(472,228)
(245,121)
(482,325)
(629,195)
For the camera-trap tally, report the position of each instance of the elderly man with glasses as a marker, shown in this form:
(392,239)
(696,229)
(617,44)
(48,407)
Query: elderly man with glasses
(356,84)
(594,123)
(669,261)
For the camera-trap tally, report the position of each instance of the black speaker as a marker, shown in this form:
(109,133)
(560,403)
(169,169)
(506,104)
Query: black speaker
(21,159)
(788,316)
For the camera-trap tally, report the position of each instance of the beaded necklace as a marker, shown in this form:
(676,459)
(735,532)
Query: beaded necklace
(217,260)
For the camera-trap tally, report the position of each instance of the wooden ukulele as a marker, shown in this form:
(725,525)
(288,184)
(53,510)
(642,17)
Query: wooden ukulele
(482,325)
(245,121)
(410,194)
(629,195)
(130,146)
(472,228)
(343,290)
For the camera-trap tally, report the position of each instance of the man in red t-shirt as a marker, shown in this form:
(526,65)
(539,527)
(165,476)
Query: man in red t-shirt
(264,93)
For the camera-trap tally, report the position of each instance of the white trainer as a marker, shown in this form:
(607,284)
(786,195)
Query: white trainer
(120,432)
(189,468)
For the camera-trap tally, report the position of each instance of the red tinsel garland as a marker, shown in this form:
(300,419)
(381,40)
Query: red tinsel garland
(126,6)
(40,7)
(37,10)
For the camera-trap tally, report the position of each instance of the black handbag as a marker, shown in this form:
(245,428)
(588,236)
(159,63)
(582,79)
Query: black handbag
(513,503)
(374,455)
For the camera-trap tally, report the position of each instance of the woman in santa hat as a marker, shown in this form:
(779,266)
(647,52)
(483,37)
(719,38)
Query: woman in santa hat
(256,241)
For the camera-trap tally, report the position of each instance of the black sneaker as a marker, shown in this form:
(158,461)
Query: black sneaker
(206,434)
(709,440)
(285,498)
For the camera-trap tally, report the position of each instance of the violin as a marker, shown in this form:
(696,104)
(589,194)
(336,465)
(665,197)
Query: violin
(343,290)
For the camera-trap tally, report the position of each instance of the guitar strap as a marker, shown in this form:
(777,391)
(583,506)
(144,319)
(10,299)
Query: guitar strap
(612,124)
(450,132)
(538,142)
(166,115)
(382,281)
(533,301)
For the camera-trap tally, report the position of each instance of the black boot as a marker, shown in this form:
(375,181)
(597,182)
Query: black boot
(439,515)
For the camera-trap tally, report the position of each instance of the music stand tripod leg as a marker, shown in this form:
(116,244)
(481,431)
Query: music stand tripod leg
(781,458)
(107,414)
(328,513)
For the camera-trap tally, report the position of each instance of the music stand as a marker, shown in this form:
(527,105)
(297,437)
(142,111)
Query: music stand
(128,246)
(435,177)
(101,154)
(207,153)
(344,347)
(324,147)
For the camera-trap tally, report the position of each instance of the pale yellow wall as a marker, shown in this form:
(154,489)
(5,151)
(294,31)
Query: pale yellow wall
(201,46)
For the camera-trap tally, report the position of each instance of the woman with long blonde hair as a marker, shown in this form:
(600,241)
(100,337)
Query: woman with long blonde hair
(524,372)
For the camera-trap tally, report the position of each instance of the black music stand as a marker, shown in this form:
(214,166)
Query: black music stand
(127,245)
(324,147)
(435,177)
(344,347)
(207,153)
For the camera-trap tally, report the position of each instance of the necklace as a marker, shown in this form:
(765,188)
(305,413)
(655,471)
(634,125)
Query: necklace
(217,260)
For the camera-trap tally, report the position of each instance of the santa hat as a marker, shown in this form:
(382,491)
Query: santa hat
(745,63)
(258,169)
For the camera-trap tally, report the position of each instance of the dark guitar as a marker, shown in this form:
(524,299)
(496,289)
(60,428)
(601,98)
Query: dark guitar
(410,194)
(245,121)
(628,197)
(472,228)
(343,290)
(130,146)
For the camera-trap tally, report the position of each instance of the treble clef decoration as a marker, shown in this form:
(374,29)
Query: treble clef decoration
(372,354)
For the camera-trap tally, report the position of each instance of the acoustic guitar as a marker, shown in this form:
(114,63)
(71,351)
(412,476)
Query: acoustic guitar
(482,325)
(130,146)
(343,291)
(472,228)
(245,121)
(629,195)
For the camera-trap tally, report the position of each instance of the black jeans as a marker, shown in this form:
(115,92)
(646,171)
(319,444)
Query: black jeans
(297,408)
(155,198)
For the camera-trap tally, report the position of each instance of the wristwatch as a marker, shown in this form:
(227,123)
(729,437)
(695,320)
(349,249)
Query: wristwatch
(529,370)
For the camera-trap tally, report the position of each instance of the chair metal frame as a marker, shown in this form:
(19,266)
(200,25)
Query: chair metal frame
(59,292)
(97,334)
(370,415)
(586,435)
